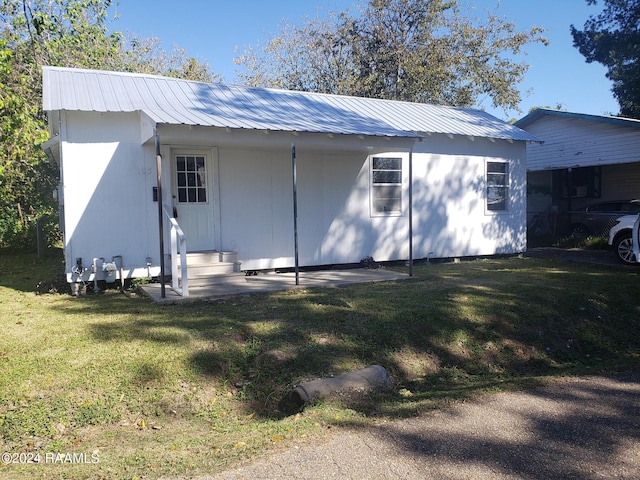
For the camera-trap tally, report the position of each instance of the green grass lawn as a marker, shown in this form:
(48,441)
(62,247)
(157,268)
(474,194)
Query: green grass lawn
(143,390)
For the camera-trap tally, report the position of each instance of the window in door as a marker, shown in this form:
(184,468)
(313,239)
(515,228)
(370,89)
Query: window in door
(192,178)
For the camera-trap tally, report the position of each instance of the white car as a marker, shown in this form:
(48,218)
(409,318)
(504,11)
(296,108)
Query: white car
(620,238)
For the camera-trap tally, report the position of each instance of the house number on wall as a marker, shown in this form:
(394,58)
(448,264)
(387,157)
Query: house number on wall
(144,171)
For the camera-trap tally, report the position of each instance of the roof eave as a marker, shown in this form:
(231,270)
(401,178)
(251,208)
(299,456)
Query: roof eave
(541,112)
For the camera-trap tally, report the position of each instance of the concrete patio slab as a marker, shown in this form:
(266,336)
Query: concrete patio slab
(239,284)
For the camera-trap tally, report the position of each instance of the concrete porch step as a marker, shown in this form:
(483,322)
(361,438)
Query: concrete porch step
(204,268)
(205,280)
(210,257)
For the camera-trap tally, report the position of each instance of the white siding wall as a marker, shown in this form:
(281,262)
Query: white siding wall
(334,223)
(107,180)
(573,142)
(449,199)
(334,220)
(256,207)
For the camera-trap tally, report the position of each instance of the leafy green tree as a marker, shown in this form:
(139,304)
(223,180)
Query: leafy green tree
(26,178)
(612,38)
(146,55)
(414,50)
(70,33)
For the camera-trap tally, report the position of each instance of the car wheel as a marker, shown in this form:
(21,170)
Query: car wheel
(579,231)
(623,249)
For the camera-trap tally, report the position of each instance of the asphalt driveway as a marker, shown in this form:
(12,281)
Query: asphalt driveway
(570,428)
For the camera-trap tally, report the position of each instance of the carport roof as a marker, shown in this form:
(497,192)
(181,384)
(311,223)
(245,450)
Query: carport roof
(182,102)
(539,113)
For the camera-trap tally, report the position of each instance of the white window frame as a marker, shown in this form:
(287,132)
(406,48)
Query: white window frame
(492,183)
(200,179)
(376,186)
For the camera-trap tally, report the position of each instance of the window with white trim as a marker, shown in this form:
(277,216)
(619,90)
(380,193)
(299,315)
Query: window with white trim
(386,186)
(497,182)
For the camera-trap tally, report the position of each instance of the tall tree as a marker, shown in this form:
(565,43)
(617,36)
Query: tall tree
(70,33)
(612,38)
(26,179)
(415,50)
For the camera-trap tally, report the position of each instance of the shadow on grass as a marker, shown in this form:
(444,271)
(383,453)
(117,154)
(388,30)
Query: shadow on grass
(455,328)
(453,332)
(27,272)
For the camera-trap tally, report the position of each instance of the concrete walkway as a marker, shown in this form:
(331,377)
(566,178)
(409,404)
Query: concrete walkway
(574,428)
(237,284)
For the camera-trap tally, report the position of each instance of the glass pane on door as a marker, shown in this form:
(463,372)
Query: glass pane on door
(191,172)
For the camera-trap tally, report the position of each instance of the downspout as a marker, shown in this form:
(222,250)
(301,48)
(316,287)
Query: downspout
(295,211)
(160,214)
(411,212)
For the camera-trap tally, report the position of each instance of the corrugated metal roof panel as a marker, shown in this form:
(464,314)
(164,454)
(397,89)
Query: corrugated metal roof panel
(175,101)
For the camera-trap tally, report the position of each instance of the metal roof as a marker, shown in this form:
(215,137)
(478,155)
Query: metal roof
(182,102)
(541,112)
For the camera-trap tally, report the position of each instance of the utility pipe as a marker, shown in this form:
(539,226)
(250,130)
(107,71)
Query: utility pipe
(373,377)
(94,270)
(120,268)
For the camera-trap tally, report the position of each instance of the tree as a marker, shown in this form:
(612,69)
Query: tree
(27,179)
(414,50)
(612,38)
(146,55)
(70,33)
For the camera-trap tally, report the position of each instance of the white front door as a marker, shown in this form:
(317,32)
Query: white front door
(193,198)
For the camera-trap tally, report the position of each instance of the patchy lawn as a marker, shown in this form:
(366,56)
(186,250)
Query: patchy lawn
(131,389)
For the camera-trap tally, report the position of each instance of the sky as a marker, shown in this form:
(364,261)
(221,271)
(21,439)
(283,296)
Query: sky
(217,31)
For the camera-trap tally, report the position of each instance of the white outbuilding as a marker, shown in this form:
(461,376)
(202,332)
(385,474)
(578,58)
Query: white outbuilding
(262,179)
